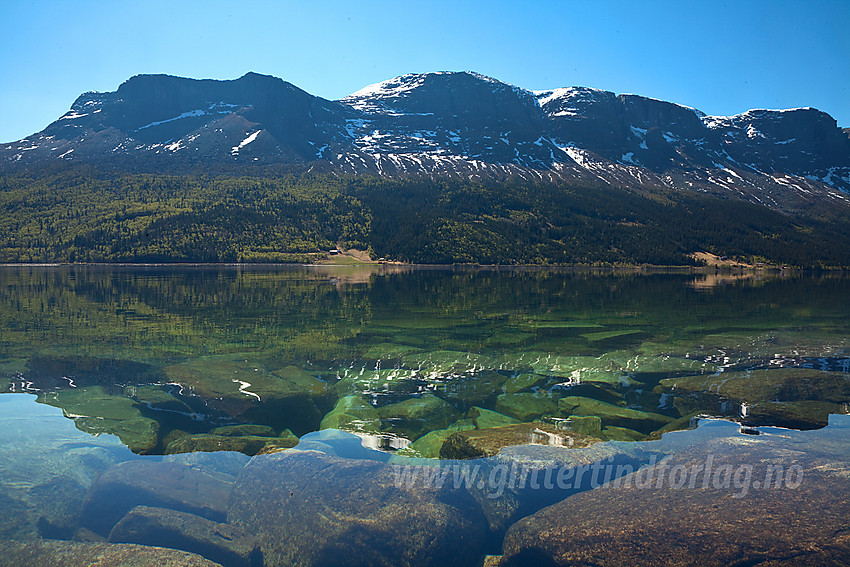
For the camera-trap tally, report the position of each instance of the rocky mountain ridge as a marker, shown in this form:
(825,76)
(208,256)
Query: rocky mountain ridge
(451,124)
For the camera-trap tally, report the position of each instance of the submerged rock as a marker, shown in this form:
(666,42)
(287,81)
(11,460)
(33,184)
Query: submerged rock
(522,381)
(484,418)
(245,391)
(246,444)
(480,443)
(429,445)
(798,398)
(352,413)
(18,520)
(95,411)
(415,416)
(222,543)
(774,384)
(526,406)
(473,388)
(617,416)
(79,554)
(737,514)
(244,429)
(58,504)
(522,479)
(225,464)
(810,414)
(310,508)
(148,483)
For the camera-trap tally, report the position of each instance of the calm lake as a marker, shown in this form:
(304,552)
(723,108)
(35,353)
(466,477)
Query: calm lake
(411,416)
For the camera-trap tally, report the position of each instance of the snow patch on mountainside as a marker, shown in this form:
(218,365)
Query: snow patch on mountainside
(251,137)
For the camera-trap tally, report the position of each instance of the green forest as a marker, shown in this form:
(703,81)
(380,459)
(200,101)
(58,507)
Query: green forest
(85,215)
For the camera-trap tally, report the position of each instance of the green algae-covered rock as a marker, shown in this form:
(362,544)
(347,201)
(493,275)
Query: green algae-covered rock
(384,381)
(245,391)
(95,411)
(415,416)
(526,406)
(777,384)
(310,508)
(480,443)
(352,413)
(222,543)
(298,380)
(484,418)
(428,446)
(586,425)
(388,351)
(612,415)
(612,433)
(157,398)
(473,388)
(243,430)
(809,414)
(246,444)
(522,381)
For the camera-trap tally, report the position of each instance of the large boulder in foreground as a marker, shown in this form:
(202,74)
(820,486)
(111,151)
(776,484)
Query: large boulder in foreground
(148,483)
(311,508)
(222,543)
(49,553)
(732,519)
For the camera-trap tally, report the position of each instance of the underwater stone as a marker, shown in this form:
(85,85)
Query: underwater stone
(148,483)
(428,446)
(310,508)
(472,388)
(775,384)
(489,442)
(224,464)
(59,503)
(613,433)
(586,425)
(246,392)
(83,554)
(247,444)
(521,382)
(99,412)
(810,414)
(484,418)
(225,544)
(610,414)
(526,406)
(244,429)
(637,523)
(352,413)
(415,416)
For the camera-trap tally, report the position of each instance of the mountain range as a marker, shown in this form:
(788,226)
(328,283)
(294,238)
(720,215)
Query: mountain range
(427,168)
(451,124)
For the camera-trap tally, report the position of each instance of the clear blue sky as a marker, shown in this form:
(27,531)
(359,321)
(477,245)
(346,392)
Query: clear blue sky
(719,57)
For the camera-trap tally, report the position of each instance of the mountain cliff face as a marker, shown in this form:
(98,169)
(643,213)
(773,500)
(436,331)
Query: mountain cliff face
(452,124)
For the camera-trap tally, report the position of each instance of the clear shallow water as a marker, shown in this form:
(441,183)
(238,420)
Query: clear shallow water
(104,366)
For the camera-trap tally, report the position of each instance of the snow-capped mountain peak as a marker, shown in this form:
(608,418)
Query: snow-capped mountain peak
(451,123)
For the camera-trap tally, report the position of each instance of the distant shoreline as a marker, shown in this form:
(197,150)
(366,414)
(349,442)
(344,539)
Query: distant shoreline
(647,268)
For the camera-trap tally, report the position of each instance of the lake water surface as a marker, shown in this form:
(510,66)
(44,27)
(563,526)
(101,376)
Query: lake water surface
(399,416)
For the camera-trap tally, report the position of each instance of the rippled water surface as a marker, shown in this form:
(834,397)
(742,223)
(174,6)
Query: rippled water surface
(115,375)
